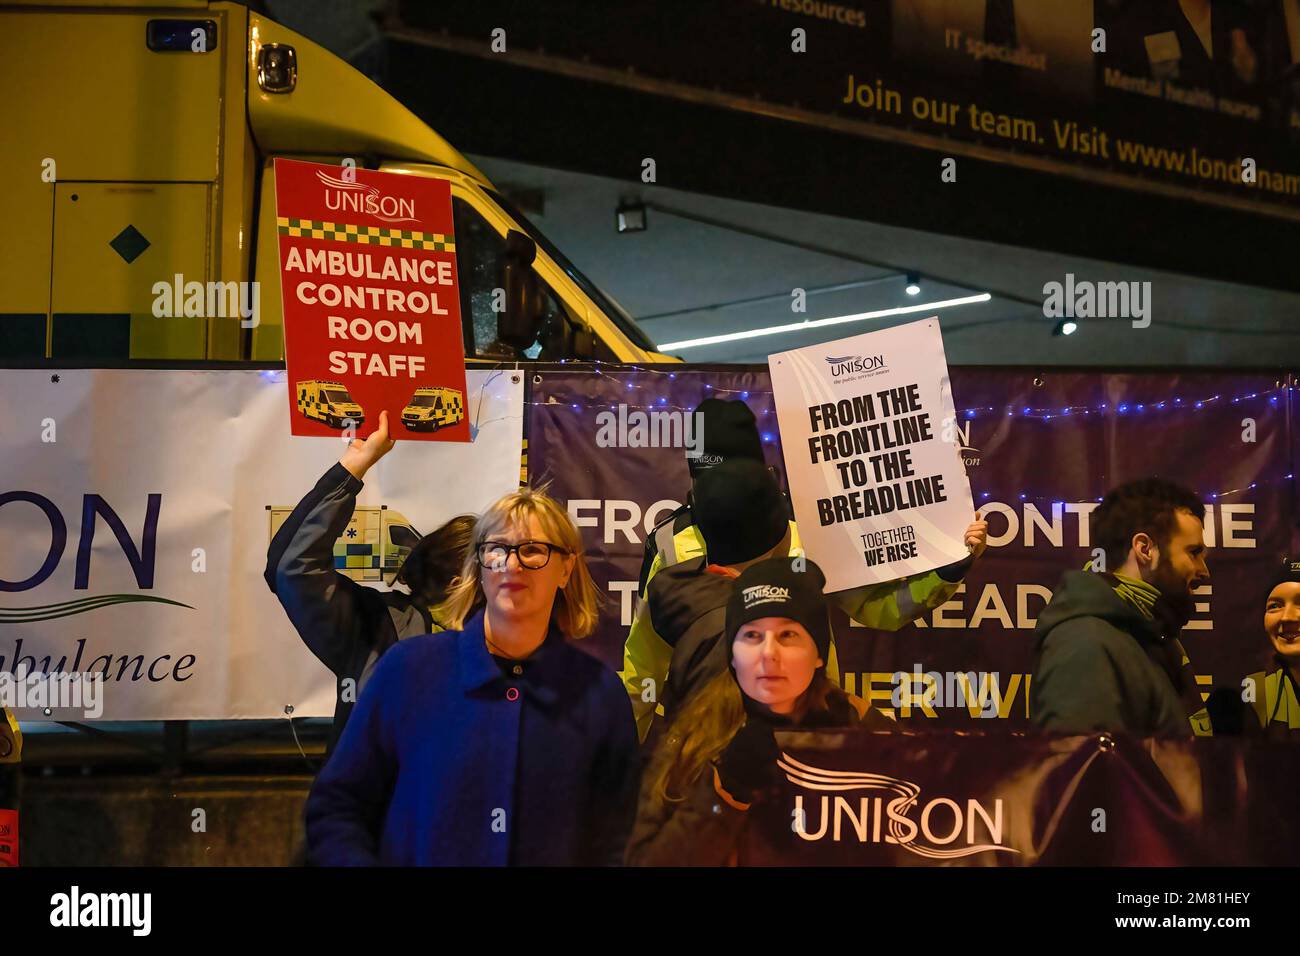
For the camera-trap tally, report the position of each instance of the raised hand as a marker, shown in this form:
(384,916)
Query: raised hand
(977,536)
(360,455)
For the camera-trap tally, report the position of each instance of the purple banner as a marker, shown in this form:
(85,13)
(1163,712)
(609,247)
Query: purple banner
(1041,450)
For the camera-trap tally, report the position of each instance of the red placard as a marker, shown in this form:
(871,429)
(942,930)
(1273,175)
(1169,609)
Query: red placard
(371,302)
(8,837)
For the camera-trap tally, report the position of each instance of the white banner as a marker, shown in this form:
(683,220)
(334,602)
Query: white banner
(871,453)
(136,508)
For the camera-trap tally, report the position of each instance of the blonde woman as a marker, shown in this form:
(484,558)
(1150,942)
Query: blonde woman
(496,744)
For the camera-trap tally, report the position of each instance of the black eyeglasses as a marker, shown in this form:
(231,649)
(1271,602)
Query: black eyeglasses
(533,555)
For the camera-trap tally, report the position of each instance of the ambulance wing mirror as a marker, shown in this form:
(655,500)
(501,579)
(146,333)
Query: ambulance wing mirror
(520,323)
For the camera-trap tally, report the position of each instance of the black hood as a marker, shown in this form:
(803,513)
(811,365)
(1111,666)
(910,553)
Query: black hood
(1086,594)
(683,593)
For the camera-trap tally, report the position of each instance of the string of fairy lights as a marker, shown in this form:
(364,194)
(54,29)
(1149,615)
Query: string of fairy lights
(766,414)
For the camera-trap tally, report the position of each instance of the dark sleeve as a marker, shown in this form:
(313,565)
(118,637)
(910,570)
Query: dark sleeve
(617,774)
(648,552)
(702,829)
(952,573)
(335,617)
(345,808)
(1077,687)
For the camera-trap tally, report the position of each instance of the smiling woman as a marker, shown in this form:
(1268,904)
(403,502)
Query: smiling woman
(538,735)
(1275,695)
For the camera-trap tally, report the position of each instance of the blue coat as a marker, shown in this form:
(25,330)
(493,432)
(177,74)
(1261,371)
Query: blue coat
(449,761)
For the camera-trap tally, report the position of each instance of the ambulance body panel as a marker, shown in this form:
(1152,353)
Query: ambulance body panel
(142,168)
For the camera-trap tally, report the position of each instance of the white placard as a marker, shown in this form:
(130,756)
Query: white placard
(135,510)
(872,454)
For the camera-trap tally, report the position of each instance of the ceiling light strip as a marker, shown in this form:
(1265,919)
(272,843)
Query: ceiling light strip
(819,323)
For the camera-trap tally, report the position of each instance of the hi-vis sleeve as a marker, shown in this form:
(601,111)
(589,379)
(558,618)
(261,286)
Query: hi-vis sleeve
(11,738)
(646,657)
(890,605)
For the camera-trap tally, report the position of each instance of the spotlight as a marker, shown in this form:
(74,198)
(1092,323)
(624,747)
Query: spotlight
(1065,327)
(913,284)
(631,216)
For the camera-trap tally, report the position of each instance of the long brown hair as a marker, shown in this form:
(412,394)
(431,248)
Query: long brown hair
(703,728)
(431,568)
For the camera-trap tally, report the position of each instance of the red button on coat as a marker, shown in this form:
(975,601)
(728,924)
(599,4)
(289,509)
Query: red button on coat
(512,693)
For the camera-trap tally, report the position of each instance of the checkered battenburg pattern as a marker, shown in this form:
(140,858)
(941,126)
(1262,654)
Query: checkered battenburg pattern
(365,235)
(355,557)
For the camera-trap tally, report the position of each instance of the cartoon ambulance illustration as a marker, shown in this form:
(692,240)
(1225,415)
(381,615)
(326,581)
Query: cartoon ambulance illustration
(373,545)
(329,402)
(433,407)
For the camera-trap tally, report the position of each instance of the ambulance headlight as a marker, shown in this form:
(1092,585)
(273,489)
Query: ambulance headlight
(277,68)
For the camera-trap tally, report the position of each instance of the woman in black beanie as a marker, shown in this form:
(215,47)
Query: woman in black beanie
(1277,693)
(720,754)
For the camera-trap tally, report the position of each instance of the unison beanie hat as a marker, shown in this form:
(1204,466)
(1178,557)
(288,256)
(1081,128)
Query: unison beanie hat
(727,430)
(739,510)
(1289,570)
(782,587)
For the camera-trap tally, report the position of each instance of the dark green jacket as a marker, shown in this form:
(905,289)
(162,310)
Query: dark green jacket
(1100,665)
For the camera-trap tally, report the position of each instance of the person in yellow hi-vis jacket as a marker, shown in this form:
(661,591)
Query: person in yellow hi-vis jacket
(738,508)
(11,749)
(11,738)
(1276,697)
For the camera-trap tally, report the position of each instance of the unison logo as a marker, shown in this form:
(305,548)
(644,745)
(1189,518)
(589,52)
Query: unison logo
(761,593)
(855,363)
(941,830)
(345,196)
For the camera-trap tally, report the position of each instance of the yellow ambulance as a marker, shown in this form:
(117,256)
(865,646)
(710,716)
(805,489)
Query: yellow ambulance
(139,142)
(329,402)
(433,407)
(373,545)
